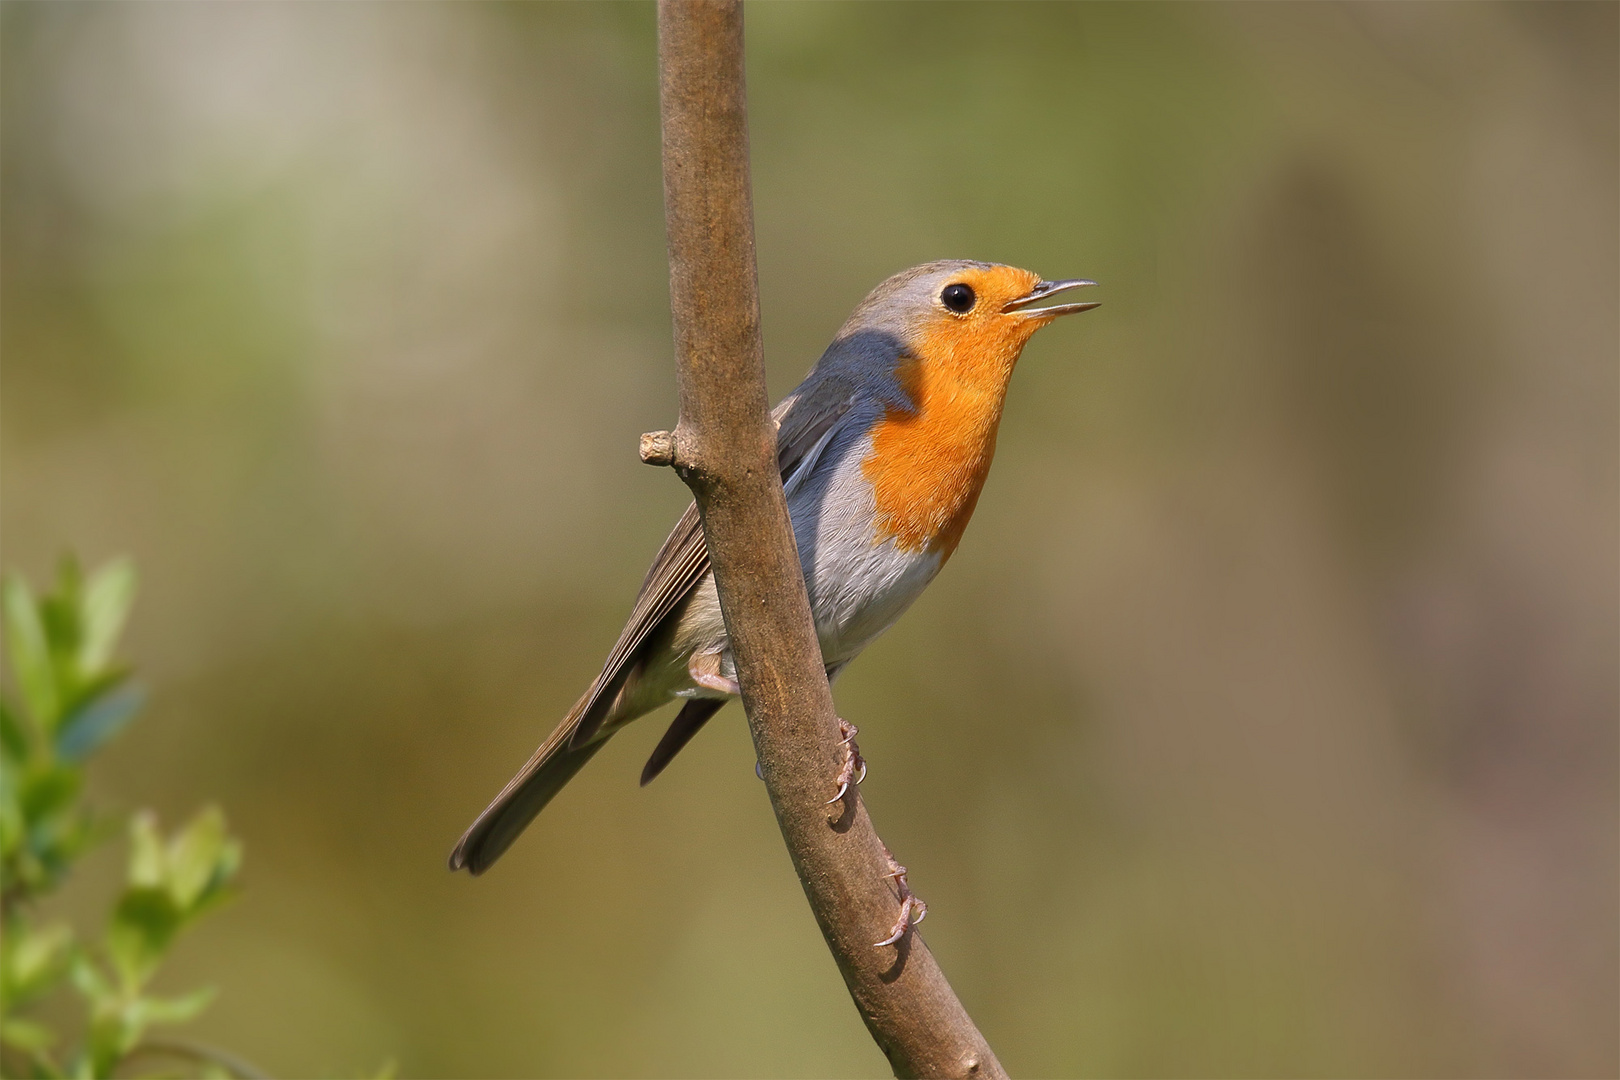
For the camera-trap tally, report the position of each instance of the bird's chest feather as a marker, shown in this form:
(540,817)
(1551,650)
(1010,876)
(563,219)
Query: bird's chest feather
(928,463)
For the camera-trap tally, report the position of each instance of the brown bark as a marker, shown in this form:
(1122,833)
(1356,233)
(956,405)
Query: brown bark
(724,447)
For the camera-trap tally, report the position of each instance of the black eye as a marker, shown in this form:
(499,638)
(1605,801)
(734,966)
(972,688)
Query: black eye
(959,298)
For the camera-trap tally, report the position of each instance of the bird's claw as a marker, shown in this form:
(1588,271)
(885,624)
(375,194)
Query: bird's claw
(854,768)
(913,909)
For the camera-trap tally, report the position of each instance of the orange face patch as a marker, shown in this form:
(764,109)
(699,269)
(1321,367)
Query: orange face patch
(929,462)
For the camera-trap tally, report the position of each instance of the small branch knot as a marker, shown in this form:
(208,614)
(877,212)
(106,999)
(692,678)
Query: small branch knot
(658,448)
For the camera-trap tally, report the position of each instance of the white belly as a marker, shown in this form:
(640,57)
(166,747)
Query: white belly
(858,585)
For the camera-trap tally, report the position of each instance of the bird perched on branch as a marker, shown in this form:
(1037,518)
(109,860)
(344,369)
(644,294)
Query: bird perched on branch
(883,449)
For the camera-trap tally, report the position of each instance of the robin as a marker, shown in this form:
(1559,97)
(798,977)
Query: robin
(883,448)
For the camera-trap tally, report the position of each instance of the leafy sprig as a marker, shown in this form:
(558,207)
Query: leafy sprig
(72,696)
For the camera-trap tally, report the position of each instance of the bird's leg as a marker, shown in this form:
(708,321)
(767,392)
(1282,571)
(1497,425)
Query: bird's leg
(912,908)
(704,668)
(854,769)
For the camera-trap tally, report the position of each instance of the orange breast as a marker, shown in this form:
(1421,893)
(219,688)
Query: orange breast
(928,465)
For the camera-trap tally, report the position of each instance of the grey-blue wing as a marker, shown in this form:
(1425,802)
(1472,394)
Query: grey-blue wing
(805,419)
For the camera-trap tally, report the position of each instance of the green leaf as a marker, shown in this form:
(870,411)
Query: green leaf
(13,736)
(88,980)
(200,857)
(46,791)
(143,926)
(113,1033)
(59,613)
(106,605)
(148,862)
(89,688)
(219,891)
(30,657)
(12,828)
(96,720)
(26,1035)
(32,961)
(177,1010)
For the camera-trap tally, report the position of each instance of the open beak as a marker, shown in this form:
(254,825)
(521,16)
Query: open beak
(1044,290)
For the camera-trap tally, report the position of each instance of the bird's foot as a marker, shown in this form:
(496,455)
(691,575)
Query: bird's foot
(912,908)
(854,768)
(704,668)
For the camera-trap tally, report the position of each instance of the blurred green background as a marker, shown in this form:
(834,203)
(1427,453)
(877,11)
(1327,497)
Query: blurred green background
(1264,724)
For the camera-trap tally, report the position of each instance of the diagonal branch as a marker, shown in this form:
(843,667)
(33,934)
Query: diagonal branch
(725,449)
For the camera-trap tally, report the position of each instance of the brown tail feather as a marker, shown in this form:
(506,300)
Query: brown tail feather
(515,807)
(526,794)
(693,715)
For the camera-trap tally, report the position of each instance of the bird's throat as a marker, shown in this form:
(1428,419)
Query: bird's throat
(928,463)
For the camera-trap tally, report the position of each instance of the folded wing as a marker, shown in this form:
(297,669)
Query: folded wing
(805,418)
